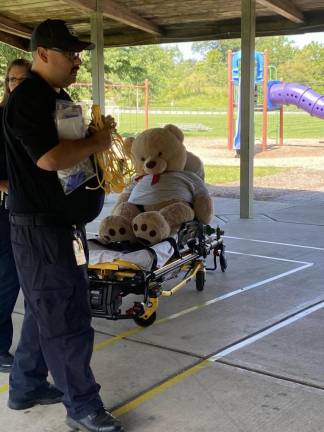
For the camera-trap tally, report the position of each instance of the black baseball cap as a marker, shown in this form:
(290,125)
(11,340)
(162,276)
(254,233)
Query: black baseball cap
(59,34)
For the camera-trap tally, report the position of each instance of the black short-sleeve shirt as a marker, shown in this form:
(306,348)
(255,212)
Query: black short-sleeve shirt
(30,132)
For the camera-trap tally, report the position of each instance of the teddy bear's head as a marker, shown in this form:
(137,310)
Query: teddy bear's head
(157,150)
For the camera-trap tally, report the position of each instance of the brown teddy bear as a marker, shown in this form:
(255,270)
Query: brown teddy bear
(163,195)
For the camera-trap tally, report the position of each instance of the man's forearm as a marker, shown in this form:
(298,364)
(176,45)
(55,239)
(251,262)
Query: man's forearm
(67,153)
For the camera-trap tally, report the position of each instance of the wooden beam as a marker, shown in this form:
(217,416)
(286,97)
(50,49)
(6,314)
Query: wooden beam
(9,26)
(117,12)
(15,41)
(229,29)
(284,8)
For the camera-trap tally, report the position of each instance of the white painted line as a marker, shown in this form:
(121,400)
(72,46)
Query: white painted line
(304,265)
(240,290)
(266,332)
(268,257)
(277,243)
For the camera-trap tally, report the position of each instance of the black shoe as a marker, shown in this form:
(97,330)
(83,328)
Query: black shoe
(6,361)
(42,396)
(98,421)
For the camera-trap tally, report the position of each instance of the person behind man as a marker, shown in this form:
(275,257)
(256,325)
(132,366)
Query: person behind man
(9,284)
(48,236)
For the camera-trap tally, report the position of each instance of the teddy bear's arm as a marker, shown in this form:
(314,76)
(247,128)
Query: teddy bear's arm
(123,197)
(195,165)
(203,207)
(202,202)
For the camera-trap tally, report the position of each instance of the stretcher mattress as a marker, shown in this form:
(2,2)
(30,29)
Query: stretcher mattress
(144,258)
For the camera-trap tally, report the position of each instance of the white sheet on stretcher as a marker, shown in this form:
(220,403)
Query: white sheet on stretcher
(143,258)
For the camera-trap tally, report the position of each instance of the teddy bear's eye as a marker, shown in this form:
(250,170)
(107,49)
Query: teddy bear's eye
(160,154)
(143,159)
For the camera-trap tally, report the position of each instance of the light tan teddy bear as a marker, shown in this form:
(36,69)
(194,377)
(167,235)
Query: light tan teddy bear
(163,195)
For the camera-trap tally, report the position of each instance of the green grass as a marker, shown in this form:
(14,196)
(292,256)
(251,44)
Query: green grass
(298,126)
(218,174)
(131,123)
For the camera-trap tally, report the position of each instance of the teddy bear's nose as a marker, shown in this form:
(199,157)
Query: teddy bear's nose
(151,164)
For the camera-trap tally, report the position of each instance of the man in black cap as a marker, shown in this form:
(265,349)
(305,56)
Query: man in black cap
(48,236)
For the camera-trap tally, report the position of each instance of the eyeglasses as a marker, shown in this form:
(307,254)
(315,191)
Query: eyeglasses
(14,80)
(71,55)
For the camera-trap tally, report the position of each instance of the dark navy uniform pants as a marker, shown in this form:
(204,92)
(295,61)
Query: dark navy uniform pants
(9,284)
(56,333)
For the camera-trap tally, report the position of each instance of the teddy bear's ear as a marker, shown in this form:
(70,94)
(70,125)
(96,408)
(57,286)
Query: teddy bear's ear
(175,131)
(128,145)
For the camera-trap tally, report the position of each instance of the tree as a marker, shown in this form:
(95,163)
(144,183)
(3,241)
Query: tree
(280,49)
(215,68)
(220,45)
(307,66)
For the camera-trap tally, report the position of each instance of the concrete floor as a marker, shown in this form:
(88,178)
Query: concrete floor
(244,355)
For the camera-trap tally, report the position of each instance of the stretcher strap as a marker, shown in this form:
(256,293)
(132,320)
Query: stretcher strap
(123,246)
(154,256)
(174,244)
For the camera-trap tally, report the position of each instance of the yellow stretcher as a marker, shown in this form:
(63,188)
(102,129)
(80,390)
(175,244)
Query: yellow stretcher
(111,282)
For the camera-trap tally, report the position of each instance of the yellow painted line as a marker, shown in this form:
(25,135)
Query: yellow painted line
(103,344)
(150,394)
(100,345)
(4,388)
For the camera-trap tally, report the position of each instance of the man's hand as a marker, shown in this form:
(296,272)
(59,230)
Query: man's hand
(110,121)
(68,153)
(4,186)
(107,121)
(101,140)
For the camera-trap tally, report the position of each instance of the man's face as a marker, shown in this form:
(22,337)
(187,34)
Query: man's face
(63,66)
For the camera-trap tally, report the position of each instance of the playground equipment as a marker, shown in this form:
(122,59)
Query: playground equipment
(263,102)
(301,96)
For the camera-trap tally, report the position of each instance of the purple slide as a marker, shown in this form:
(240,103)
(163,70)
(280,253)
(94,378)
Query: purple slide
(300,95)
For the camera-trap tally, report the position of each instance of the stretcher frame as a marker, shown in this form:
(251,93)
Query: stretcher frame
(110,282)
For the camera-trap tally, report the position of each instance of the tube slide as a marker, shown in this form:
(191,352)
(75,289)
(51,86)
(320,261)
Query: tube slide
(300,95)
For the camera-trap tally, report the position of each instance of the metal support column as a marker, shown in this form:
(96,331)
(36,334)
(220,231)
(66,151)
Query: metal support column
(97,57)
(247,107)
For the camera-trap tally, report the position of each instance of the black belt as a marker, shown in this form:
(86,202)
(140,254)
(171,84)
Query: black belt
(39,220)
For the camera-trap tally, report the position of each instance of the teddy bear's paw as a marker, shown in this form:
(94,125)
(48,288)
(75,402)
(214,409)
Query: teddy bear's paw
(150,227)
(115,229)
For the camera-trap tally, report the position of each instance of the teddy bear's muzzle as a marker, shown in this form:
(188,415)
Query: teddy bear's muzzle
(155,166)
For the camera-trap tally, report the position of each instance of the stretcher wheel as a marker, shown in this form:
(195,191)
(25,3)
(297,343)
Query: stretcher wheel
(223,261)
(200,280)
(145,322)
